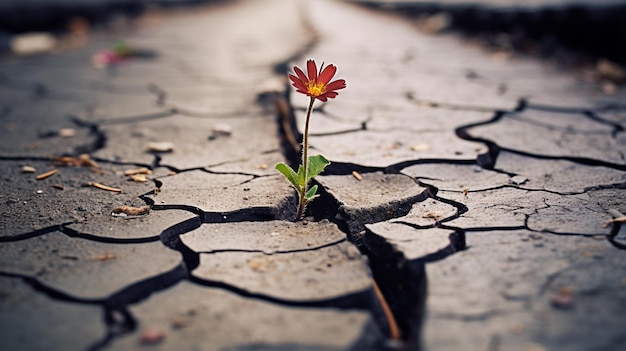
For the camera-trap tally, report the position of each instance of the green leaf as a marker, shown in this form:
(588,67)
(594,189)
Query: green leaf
(289,173)
(311,194)
(317,164)
(302,180)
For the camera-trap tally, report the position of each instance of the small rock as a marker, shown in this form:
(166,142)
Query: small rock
(28,169)
(160,146)
(179,322)
(420,147)
(610,71)
(152,336)
(563,299)
(518,180)
(67,132)
(33,43)
(222,129)
(434,23)
(39,191)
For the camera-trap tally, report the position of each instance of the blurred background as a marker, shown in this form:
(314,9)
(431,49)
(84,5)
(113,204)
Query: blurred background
(574,32)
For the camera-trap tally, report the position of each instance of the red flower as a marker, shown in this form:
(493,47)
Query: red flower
(316,84)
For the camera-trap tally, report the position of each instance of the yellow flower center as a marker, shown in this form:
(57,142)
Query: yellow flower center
(315,89)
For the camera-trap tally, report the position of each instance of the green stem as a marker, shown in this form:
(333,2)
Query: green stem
(305,163)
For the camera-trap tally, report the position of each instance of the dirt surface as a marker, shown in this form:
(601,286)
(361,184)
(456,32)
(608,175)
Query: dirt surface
(469,203)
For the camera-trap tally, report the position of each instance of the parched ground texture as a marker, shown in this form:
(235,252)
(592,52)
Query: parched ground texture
(469,203)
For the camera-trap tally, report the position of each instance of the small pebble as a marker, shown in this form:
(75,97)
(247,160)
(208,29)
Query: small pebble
(222,129)
(161,146)
(152,336)
(564,299)
(420,147)
(518,180)
(28,169)
(39,191)
(67,132)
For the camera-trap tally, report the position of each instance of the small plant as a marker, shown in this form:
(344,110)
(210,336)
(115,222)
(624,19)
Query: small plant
(317,85)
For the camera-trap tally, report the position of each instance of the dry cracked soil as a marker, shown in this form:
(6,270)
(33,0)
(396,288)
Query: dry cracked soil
(473,201)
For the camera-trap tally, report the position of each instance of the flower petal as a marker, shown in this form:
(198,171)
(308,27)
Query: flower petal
(297,82)
(311,68)
(330,94)
(300,74)
(336,85)
(327,74)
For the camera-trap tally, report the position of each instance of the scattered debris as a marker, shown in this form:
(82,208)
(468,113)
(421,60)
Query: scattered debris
(57,186)
(436,23)
(34,43)
(47,174)
(610,71)
(357,176)
(160,146)
(420,147)
(609,88)
(123,211)
(28,169)
(83,160)
(138,175)
(67,132)
(120,52)
(433,215)
(152,336)
(618,217)
(262,166)
(139,178)
(103,187)
(107,256)
(563,299)
(221,129)
(179,322)
(518,180)
(134,171)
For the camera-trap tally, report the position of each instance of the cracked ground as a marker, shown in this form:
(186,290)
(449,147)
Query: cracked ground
(456,214)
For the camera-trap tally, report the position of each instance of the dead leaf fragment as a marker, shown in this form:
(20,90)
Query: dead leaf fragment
(615,220)
(130,211)
(357,176)
(618,217)
(139,178)
(106,256)
(47,174)
(28,169)
(134,171)
(104,187)
(83,160)
(434,215)
(610,71)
